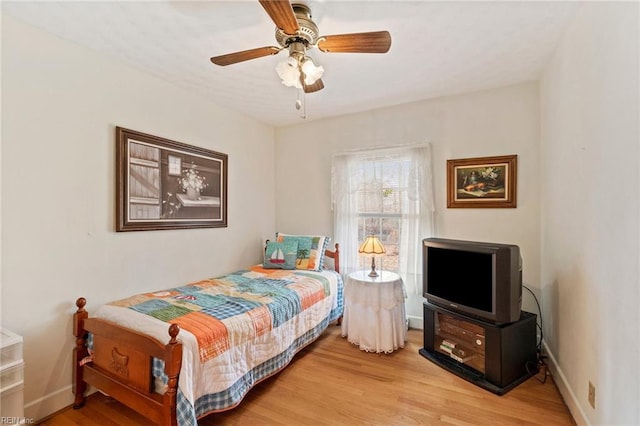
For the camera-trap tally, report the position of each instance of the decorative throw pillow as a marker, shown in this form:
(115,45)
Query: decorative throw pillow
(281,255)
(310,250)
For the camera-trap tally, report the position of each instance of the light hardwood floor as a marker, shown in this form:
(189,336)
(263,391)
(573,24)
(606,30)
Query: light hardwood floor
(332,382)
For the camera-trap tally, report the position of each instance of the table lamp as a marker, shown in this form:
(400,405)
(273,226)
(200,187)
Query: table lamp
(372,245)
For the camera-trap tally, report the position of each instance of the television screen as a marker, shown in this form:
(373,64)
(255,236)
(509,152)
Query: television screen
(461,277)
(480,279)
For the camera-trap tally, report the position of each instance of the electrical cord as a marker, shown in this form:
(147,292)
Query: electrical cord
(541,357)
(539,345)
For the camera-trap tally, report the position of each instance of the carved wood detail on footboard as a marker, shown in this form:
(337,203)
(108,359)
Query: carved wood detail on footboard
(121,365)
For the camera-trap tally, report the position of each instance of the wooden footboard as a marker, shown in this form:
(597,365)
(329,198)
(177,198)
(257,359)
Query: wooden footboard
(121,365)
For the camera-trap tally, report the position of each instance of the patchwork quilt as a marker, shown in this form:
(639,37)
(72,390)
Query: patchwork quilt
(236,330)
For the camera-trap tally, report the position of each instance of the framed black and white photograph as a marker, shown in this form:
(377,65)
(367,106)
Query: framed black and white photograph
(164,184)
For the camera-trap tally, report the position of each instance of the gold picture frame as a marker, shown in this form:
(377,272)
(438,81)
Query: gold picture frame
(482,182)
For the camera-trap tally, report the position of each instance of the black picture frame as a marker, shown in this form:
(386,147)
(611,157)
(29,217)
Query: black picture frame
(149,197)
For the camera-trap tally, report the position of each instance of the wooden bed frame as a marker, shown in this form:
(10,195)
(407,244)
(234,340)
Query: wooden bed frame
(121,363)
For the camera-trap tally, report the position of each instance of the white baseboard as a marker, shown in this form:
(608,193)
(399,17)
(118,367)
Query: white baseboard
(49,404)
(53,402)
(415,322)
(565,390)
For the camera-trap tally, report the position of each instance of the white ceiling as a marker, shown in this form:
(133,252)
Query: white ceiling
(438,48)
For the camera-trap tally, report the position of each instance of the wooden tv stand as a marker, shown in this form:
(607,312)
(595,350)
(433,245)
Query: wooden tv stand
(494,357)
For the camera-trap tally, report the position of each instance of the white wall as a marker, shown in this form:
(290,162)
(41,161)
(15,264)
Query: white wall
(60,106)
(590,216)
(502,121)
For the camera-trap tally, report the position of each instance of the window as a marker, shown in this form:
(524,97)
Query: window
(175,165)
(379,208)
(384,192)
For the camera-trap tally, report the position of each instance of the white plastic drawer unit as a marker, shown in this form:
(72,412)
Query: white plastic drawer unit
(12,405)
(11,376)
(10,348)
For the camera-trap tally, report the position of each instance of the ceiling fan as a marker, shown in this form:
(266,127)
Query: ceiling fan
(296,31)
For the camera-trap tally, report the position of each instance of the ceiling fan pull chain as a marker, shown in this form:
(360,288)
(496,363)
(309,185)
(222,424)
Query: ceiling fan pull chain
(301,103)
(304,104)
(298,100)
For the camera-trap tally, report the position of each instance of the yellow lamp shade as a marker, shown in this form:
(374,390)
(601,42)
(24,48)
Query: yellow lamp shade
(371,245)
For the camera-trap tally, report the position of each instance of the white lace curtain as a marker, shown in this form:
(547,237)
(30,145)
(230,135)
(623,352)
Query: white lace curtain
(348,176)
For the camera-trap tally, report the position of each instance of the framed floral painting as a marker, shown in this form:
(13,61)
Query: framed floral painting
(488,182)
(164,184)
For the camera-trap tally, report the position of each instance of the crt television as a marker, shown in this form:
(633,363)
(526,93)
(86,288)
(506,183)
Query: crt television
(478,279)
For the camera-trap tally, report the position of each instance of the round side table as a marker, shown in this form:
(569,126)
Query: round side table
(374,312)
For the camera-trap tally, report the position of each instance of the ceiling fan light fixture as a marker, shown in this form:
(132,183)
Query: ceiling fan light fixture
(311,71)
(290,69)
(289,72)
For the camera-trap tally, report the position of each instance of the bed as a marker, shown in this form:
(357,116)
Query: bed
(180,354)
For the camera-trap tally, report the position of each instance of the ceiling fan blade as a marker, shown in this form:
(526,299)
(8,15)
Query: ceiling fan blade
(245,55)
(373,42)
(281,13)
(310,88)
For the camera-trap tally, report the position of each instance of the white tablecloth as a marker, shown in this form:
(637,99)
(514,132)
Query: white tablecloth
(374,312)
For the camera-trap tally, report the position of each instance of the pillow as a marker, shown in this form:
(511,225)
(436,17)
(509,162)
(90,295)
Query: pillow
(310,250)
(280,255)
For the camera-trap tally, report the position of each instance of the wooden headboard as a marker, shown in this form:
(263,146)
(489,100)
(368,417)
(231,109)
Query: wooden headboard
(335,255)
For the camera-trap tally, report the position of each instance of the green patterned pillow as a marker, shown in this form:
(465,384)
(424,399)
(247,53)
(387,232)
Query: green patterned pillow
(280,255)
(310,250)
